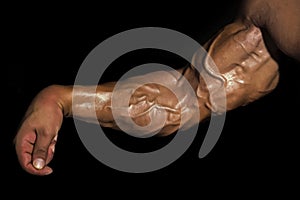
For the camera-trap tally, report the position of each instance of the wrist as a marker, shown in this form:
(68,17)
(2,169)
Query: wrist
(62,96)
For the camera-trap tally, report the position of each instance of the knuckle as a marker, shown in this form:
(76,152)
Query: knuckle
(40,151)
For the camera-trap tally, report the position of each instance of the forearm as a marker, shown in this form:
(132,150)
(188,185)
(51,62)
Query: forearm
(240,62)
(147,102)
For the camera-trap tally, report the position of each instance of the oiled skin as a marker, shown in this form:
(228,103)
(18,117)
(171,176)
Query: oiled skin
(145,103)
(246,71)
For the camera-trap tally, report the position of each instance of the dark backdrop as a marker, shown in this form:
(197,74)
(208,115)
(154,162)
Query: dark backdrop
(46,45)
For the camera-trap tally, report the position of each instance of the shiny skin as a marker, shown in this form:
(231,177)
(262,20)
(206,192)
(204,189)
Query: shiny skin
(246,69)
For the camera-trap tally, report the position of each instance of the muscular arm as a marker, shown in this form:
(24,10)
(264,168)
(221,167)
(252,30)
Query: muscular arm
(247,72)
(146,103)
(245,69)
(37,135)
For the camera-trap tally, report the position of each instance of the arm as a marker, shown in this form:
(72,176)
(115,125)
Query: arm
(36,138)
(146,104)
(279,18)
(247,72)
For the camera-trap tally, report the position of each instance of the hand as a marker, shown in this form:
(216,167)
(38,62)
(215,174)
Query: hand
(36,138)
(245,66)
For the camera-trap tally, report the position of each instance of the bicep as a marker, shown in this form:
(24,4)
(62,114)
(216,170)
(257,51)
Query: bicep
(281,19)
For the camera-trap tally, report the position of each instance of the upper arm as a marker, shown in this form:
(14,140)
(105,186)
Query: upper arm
(281,19)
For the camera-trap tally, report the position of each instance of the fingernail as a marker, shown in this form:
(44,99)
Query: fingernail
(39,163)
(49,172)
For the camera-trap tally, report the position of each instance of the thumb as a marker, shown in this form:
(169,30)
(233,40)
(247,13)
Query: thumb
(41,147)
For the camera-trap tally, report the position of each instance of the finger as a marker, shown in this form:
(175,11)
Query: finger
(24,142)
(241,40)
(41,172)
(51,150)
(41,147)
(267,77)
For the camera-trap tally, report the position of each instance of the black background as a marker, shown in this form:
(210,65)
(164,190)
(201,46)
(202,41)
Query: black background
(46,44)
